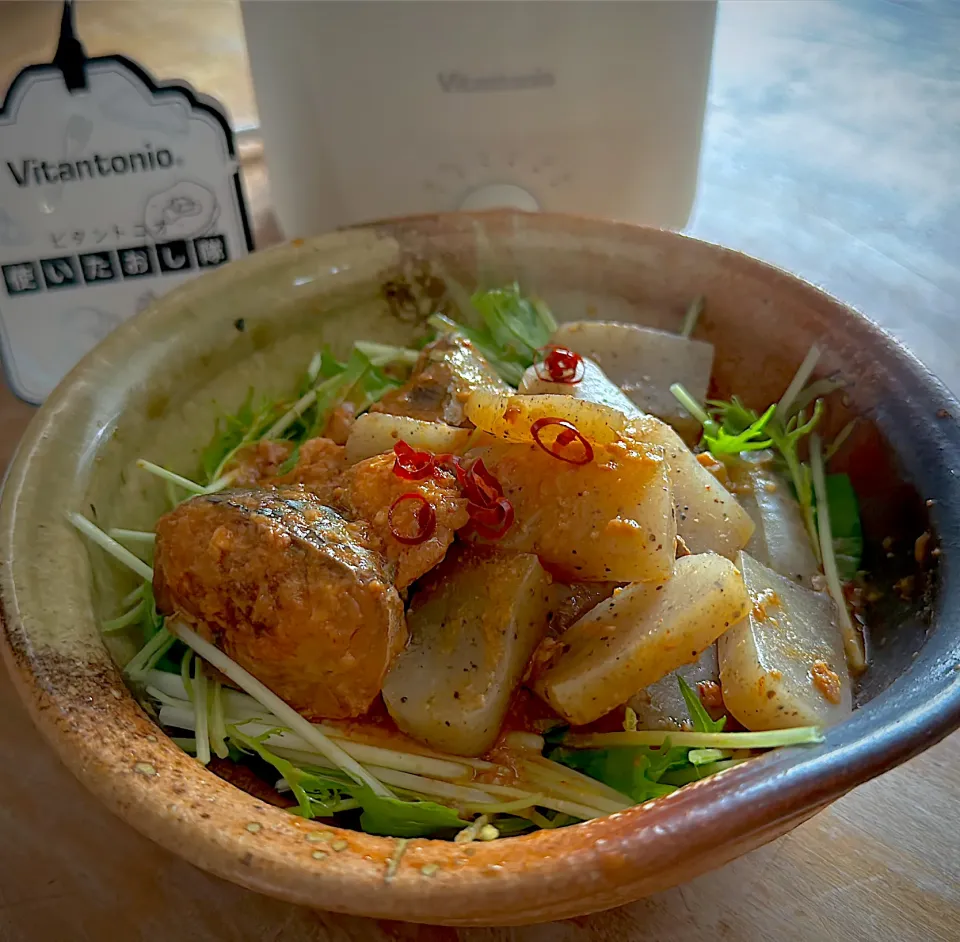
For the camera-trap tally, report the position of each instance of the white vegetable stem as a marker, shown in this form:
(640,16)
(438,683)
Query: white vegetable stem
(218,723)
(170,476)
(272,702)
(241,708)
(682,396)
(768,739)
(796,384)
(133,595)
(201,726)
(132,536)
(178,713)
(852,640)
(575,808)
(299,407)
(380,354)
(692,316)
(552,771)
(142,662)
(123,621)
(569,790)
(406,781)
(118,552)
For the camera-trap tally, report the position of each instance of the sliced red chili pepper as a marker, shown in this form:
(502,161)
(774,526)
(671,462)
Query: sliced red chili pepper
(424,515)
(559,365)
(449,463)
(410,464)
(494,521)
(560,446)
(480,486)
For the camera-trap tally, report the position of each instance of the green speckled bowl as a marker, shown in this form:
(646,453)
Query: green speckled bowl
(152,390)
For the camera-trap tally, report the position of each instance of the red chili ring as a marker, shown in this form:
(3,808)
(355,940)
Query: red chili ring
(425,516)
(480,486)
(446,462)
(559,365)
(492,522)
(567,436)
(410,464)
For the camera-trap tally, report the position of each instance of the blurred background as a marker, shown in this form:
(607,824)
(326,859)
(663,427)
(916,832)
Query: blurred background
(829,145)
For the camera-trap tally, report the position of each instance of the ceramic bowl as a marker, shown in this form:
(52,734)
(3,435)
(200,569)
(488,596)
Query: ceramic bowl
(153,389)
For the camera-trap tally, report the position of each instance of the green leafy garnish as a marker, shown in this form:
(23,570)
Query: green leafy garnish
(845,529)
(326,384)
(634,771)
(737,429)
(649,771)
(786,437)
(699,717)
(731,427)
(233,432)
(326,793)
(694,773)
(508,331)
(393,817)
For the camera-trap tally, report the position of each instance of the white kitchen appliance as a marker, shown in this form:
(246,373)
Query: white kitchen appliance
(374,109)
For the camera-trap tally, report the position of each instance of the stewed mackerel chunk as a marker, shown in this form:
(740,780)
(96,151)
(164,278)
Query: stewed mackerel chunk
(288,589)
(448,370)
(368,489)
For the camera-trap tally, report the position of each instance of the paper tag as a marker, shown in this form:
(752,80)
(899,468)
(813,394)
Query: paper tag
(110,195)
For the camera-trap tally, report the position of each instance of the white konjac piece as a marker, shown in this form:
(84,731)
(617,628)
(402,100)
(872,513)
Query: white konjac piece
(374,433)
(780,539)
(709,519)
(642,633)
(611,520)
(473,627)
(644,363)
(594,386)
(661,705)
(784,664)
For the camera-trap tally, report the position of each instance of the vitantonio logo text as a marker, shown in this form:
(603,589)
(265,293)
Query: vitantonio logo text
(32,171)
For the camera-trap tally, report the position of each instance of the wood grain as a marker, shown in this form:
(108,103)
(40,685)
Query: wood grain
(831,148)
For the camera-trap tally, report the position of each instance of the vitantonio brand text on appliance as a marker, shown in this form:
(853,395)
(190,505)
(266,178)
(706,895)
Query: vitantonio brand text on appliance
(30,170)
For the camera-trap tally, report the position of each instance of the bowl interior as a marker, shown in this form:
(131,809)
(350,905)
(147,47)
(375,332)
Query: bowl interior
(155,388)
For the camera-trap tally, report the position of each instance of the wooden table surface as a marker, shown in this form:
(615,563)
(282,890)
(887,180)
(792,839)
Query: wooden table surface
(832,148)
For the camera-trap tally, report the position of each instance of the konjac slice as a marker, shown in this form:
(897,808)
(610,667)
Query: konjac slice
(511,417)
(593,386)
(374,433)
(607,520)
(784,664)
(780,539)
(661,705)
(641,634)
(474,623)
(709,519)
(643,363)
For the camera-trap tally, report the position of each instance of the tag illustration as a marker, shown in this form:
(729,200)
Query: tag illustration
(113,189)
